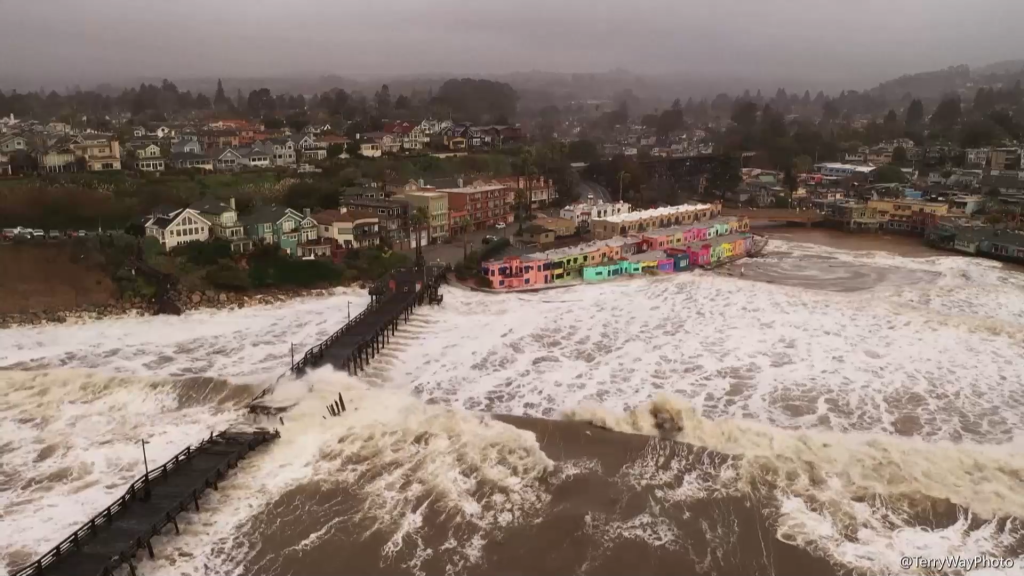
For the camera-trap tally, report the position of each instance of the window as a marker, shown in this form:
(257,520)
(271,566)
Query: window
(501,282)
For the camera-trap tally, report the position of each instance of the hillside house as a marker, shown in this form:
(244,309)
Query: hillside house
(177,227)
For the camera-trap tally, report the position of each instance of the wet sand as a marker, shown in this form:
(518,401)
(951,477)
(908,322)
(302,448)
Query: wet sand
(904,245)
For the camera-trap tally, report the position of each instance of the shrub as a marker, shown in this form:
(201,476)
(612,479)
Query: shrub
(493,249)
(270,268)
(204,253)
(227,276)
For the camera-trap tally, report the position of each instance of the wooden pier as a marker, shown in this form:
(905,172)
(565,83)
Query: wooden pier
(112,538)
(361,339)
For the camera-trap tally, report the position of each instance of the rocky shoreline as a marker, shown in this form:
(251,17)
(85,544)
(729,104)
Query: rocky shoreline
(128,307)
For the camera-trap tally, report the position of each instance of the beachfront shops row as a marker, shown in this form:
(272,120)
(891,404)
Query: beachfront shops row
(660,250)
(977,240)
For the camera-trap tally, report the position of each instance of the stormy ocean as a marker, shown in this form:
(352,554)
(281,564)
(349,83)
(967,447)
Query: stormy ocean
(821,410)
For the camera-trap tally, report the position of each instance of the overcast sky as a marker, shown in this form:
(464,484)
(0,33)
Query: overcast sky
(864,39)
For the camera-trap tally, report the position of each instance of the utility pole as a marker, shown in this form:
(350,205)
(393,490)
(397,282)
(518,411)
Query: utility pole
(293,353)
(145,461)
(349,310)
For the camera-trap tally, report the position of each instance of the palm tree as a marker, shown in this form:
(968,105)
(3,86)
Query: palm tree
(527,162)
(417,220)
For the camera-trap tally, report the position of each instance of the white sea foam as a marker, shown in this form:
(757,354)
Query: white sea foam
(69,444)
(254,341)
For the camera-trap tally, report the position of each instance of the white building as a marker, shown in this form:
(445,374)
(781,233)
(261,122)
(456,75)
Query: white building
(178,227)
(976,156)
(836,170)
(582,212)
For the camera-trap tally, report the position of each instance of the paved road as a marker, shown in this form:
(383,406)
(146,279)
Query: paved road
(586,187)
(452,253)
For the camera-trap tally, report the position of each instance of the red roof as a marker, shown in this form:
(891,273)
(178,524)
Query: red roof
(399,128)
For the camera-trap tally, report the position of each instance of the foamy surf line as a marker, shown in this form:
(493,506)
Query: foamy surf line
(863,500)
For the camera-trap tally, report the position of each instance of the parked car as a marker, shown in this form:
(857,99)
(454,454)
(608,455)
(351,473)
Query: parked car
(500,225)
(8,234)
(53,234)
(489,239)
(71,233)
(83,233)
(39,234)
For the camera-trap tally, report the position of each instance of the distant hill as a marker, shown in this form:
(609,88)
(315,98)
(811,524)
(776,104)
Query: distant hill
(1004,67)
(953,80)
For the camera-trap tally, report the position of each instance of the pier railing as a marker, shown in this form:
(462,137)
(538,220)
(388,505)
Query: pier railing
(135,490)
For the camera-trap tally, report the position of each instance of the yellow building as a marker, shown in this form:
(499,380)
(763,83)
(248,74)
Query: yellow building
(904,210)
(436,205)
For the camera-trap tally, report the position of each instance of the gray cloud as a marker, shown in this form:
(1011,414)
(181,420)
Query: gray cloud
(863,41)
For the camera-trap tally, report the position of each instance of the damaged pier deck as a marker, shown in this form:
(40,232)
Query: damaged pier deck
(113,537)
(360,340)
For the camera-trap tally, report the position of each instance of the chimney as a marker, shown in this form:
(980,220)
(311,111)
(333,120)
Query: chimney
(231,202)
(421,182)
(305,212)
(459,182)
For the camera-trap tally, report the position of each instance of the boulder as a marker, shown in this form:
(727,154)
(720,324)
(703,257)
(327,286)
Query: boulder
(197,297)
(222,298)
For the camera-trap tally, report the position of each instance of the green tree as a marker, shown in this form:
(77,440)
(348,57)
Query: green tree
(789,180)
(220,100)
(803,164)
(583,151)
(724,176)
(915,114)
(948,113)
(889,174)
(382,100)
(899,155)
(744,115)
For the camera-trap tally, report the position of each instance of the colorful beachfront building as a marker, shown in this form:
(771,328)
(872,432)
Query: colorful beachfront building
(662,250)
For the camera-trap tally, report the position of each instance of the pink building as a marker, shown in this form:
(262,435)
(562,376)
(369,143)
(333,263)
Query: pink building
(512,272)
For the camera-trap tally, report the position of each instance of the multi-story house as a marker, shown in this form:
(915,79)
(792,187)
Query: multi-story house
(389,143)
(13,143)
(436,206)
(176,227)
(281,150)
(348,229)
(56,159)
(481,205)
(219,138)
(392,214)
(100,151)
(281,226)
(255,158)
(225,159)
(185,160)
(1004,159)
(976,156)
(907,214)
(540,189)
(147,156)
(224,223)
(185,145)
(308,147)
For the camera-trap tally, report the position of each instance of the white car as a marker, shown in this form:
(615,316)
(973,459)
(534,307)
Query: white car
(500,225)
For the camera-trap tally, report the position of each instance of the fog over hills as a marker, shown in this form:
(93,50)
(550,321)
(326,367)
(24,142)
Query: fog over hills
(672,48)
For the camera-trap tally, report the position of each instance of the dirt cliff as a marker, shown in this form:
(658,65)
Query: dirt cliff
(53,275)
